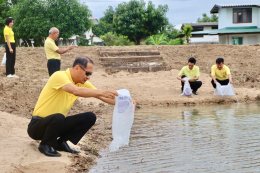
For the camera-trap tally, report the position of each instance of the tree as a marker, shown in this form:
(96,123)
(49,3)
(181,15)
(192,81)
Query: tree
(33,18)
(69,16)
(112,39)
(187,29)
(137,21)
(206,18)
(105,24)
(4,9)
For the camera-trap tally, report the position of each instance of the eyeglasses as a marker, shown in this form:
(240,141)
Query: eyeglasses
(87,73)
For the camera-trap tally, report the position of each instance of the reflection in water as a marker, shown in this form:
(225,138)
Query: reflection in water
(189,140)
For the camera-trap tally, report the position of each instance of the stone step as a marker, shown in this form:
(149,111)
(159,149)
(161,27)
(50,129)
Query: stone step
(151,58)
(135,69)
(114,53)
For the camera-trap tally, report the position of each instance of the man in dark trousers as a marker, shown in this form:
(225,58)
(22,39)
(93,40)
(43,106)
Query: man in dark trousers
(192,72)
(53,52)
(50,122)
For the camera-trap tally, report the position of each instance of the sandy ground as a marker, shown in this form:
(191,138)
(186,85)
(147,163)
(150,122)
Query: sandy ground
(160,89)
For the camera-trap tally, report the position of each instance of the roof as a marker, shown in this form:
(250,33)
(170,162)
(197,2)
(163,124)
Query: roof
(216,7)
(230,30)
(203,24)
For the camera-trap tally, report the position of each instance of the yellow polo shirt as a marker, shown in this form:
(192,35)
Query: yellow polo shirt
(190,73)
(9,32)
(55,100)
(220,74)
(50,49)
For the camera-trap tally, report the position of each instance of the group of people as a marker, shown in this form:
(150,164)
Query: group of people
(50,122)
(220,73)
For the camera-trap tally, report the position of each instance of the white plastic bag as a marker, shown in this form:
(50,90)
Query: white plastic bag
(123,117)
(224,90)
(186,89)
(4,59)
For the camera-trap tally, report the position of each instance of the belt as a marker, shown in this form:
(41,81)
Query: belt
(36,118)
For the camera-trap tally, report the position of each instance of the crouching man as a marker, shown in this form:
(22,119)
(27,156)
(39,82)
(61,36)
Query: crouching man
(50,123)
(192,72)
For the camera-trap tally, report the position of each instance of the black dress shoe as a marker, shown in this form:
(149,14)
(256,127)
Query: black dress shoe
(63,146)
(194,92)
(48,150)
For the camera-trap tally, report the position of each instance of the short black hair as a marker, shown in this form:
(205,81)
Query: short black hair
(219,60)
(192,60)
(83,61)
(8,21)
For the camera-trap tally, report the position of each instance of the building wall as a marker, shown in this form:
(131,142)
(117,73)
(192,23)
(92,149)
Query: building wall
(226,18)
(248,39)
(206,28)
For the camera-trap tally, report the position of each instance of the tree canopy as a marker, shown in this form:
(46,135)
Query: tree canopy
(206,18)
(34,18)
(137,20)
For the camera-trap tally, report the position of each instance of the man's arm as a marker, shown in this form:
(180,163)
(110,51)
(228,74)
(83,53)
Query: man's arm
(230,78)
(86,92)
(8,43)
(107,100)
(64,50)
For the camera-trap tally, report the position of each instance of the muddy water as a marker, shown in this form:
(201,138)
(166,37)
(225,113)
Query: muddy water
(197,139)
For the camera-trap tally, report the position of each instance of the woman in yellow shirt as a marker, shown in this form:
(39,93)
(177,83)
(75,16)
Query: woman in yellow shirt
(10,48)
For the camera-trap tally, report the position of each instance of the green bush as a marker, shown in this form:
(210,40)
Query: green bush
(112,39)
(159,39)
(177,41)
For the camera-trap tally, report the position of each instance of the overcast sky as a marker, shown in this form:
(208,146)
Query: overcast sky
(180,11)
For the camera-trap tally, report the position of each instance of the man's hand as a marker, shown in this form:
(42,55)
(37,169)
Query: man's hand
(71,47)
(11,50)
(109,94)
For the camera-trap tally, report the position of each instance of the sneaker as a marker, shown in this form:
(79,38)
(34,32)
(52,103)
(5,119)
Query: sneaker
(15,76)
(9,76)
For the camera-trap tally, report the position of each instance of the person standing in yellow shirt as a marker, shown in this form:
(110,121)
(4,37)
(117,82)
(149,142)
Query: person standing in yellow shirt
(53,52)
(10,48)
(220,73)
(50,122)
(192,72)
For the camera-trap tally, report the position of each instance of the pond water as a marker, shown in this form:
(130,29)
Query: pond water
(198,139)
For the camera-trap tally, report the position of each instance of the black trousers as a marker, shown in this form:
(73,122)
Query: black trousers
(193,85)
(222,82)
(53,66)
(10,59)
(57,128)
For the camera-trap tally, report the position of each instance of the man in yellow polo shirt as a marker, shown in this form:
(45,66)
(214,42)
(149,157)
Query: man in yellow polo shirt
(220,73)
(192,72)
(50,122)
(53,52)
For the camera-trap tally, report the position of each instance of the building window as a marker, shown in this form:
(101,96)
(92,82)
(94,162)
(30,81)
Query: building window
(242,15)
(237,40)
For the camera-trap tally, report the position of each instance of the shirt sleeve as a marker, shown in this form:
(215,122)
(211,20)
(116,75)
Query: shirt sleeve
(58,80)
(7,31)
(52,46)
(228,70)
(181,72)
(197,72)
(213,73)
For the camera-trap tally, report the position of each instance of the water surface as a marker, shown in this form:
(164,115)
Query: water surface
(219,138)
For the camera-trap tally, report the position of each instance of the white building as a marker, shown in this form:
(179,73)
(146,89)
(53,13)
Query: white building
(204,38)
(237,25)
